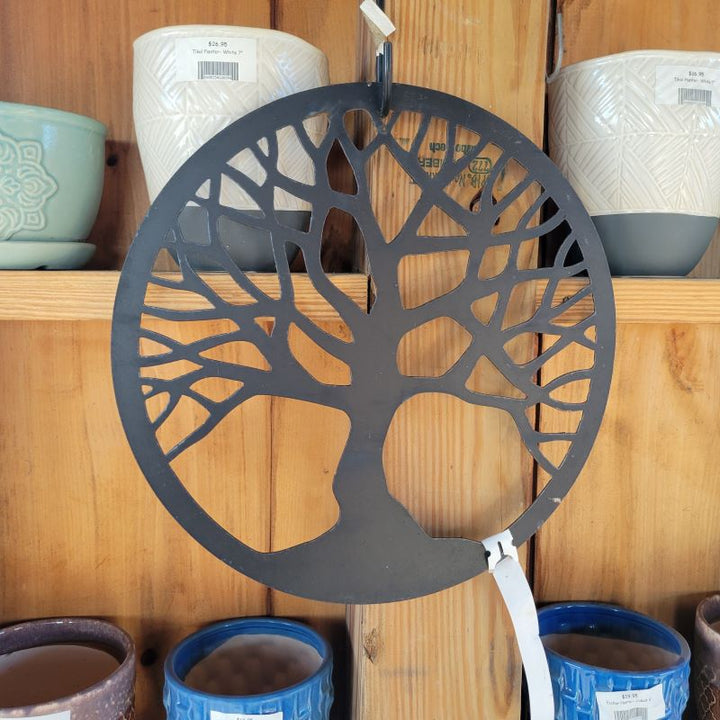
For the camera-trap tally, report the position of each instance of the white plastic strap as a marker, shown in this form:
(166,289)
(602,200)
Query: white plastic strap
(505,567)
(379,24)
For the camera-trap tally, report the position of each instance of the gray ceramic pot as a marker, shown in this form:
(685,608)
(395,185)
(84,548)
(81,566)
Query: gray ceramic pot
(654,243)
(110,698)
(706,659)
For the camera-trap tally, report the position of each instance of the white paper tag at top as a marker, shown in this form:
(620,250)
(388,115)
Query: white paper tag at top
(216,58)
(379,24)
(64,715)
(687,85)
(631,704)
(216,715)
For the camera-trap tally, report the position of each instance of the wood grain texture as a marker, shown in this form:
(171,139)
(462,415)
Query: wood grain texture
(709,265)
(593,28)
(453,653)
(87,295)
(492,54)
(601,27)
(641,525)
(81,531)
(334,27)
(651,300)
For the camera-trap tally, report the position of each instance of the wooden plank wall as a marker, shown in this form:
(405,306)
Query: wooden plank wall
(95,533)
(135,565)
(80,529)
(641,525)
(83,534)
(593,28)
(452,654)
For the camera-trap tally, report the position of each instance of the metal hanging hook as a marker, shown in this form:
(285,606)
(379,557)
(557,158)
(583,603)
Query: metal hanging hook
(383,75)
(380,27)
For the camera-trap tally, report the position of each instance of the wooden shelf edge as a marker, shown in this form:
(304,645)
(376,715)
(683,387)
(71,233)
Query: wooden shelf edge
(90,295)
(657,300)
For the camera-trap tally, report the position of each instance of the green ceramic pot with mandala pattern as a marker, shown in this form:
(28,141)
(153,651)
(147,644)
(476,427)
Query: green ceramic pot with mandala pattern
(51,173)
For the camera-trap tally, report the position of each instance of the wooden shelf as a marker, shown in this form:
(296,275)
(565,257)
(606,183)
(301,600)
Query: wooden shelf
(655,300)
(90,295)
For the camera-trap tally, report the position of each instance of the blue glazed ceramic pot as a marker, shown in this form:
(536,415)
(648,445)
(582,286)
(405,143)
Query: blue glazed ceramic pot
(593,691)
(191,694)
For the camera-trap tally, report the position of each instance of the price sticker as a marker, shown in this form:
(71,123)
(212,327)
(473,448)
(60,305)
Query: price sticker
(219,58)
(215,715)
(685,85)
(631,704)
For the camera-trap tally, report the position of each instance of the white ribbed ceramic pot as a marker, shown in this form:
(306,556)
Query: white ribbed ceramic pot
(637,134)
(191,81)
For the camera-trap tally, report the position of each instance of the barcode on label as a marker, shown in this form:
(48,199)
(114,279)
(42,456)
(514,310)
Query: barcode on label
(693,96)
(631,714)
(216,70)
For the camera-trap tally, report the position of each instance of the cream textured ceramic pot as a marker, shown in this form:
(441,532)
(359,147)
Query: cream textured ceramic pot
(637,134)
(191,81)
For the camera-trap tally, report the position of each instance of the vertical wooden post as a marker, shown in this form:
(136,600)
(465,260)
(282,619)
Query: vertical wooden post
(459,470)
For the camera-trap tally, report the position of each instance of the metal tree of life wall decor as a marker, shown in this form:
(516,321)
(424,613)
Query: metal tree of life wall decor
(477,175)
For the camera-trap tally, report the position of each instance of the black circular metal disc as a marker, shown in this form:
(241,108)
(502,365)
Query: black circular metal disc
(376,552)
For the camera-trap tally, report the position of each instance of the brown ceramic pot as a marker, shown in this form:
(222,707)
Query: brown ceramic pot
(110,697)
(706,659)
